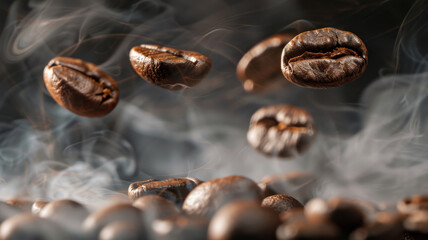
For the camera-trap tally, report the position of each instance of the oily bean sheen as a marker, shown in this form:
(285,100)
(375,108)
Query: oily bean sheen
(209,196)
(243,219)
(81,87)
(260,66)
(281,130)
(324,58)
(169,68)
(174,189)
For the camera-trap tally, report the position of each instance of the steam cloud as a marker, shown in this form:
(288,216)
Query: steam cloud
(370,145)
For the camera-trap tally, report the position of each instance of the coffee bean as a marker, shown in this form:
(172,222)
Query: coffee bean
(300,185)
(123,230)
(114,213)
(385,226)
(346,215)
(169,68)
(181,227)
(243,219)
(281,130)
(37,207)
(417,222)
(324,58)
(7,211)
(70,214)
(413,203)
(81,87)
(27,226)
(209,196)
(302,229)
(291,215)
(156,207)
(281,203)
(260,67)
(174,189)
(24,205)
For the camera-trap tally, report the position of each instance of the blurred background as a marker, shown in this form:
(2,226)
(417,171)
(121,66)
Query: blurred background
(371,140)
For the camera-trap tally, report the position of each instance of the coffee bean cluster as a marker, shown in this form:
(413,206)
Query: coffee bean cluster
(232,207)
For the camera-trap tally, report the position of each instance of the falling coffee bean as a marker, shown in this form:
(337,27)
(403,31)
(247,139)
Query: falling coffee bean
(243,219)
(81,87)
(174,189)
(209,196)
(281,130)
(169,68)
(260,67)
(324,58)
(281,203)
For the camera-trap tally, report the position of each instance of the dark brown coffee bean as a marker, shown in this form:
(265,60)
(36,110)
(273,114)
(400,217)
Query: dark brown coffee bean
(174,189)
(123,230)
(7,211)
(243,219)
(209,196)
(281,130)
(27,226)
(169,68)
(260,67)
(181,227)
(114,213)
(300,185)
(324,58)
(156,207)
(37,207)
(81,87)
(346,215)
(413,203)
(281,203)
(24,205)
(385,226)
(70,214)
(302,229)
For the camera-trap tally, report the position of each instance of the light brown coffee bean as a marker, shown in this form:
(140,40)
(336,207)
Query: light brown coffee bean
(169,68)
(174,189)
(281,130)
(281,203)
(260,67)
(209,196)
(243,219)
(81,87)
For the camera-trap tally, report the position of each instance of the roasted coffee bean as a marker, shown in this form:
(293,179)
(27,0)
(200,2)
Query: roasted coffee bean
(346,215)
(123,230)
(169,68)
(300,185)
(243,219)
(281,203)
(24,205)
(81,87)
(174,189)
(209,196)
(260,67)
(37,207)
(7,211)
(385,226)
(324,58)
(27,226)
(114,213)
(70,214)
(413,203)
(281,130)
(302,229)
(181,227)
(156,207)
(417,222)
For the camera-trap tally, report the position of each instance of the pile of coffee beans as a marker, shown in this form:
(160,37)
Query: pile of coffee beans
(232,207)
